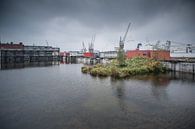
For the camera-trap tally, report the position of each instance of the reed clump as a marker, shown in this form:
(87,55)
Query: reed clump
(132,67)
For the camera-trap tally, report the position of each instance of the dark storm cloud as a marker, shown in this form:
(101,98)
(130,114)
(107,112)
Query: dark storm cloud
(66,23)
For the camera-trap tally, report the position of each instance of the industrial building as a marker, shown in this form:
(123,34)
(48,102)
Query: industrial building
(20,53)
(64,57)
(41,53)
(10,52)
(182,51)
(153,54)
(108,54)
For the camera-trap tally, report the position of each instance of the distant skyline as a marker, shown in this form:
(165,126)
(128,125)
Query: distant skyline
(68,23)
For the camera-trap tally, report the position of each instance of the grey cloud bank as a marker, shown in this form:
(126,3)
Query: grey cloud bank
(66,23)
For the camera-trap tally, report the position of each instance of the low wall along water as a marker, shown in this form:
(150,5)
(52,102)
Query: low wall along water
(180,66)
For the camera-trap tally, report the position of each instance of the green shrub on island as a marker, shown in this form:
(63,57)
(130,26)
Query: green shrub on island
(100,71)
(132,67)
(86,69)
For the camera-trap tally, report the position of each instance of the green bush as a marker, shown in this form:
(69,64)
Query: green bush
(114,72)
(134,66)
(84,69)
(100,71)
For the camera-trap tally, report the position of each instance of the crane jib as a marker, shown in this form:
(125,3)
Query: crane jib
(126,32)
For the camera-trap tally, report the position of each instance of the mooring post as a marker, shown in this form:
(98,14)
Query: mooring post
(0,58)
(180,67)
(174,67)
(171,66)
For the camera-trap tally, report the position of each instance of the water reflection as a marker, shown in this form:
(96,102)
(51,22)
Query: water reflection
(159,85)
(66,98)
(28,64)
(118,86)
(148,102)
(182,76)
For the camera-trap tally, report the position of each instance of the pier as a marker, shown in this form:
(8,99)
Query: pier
(186,66)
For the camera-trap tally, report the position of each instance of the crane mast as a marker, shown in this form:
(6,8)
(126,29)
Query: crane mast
(121,53)
(91,45)
(84,48)
(122,41)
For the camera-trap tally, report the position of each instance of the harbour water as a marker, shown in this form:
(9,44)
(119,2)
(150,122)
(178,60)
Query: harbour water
(61,97)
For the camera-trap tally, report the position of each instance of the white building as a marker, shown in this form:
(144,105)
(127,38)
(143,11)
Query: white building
(182,51)
(108,54)
(76,53)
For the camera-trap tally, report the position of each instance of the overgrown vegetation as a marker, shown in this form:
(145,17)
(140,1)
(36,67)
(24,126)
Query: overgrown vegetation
(130,67)
(121,57)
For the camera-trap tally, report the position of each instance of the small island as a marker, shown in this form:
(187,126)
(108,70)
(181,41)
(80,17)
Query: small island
(130,67)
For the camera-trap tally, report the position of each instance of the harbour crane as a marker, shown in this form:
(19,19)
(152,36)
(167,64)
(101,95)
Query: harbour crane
(84,48)
(47,43)
(121,53)
(91,45)
(122,41)
(159,45)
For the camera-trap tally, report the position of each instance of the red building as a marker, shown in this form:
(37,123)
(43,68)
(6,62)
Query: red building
(11,46)
(65,57)
(89,54)
(153,54)
(64,54)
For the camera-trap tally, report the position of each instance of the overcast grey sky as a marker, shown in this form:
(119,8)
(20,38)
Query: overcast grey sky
(66,23)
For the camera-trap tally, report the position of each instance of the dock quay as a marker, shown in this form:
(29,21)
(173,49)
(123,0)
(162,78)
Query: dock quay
(178,65)
(185,65)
